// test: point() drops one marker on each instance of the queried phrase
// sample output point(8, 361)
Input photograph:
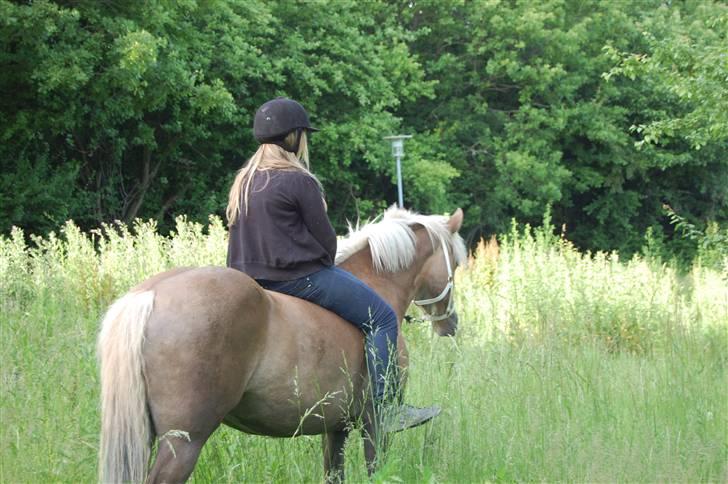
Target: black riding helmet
point(275, 119)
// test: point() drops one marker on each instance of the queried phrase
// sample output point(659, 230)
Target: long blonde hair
point(267, 157)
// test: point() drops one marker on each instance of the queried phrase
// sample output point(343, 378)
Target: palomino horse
point(189, 349)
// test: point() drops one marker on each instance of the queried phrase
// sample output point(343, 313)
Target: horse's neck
point(398, 289)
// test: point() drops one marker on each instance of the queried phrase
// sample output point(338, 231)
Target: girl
point(281, 236)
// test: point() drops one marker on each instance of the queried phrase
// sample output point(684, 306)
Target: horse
point(190, 349)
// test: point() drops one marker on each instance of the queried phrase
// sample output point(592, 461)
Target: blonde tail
point(125, 424)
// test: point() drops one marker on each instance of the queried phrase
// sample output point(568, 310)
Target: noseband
point(448, 289)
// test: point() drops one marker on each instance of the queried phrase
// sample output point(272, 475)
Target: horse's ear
point(456, 221)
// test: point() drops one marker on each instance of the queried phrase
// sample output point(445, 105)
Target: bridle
point(449, 288)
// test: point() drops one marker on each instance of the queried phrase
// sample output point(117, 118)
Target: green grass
point(567, 367)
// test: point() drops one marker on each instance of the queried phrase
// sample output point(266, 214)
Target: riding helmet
point(278, 117)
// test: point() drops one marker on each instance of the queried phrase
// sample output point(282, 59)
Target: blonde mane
point(391, 240)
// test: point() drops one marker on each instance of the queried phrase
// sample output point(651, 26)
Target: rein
point(448, 289)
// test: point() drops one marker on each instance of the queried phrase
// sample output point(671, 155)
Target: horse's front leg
point(333, 444)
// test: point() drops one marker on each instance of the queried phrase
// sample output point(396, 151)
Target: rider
point(281, 236)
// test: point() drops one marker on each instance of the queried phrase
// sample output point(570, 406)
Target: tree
point(119, 110)
point(524, 113)
point(603, 111)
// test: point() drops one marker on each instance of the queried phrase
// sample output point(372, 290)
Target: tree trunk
point(140, 190)
point(167, 204)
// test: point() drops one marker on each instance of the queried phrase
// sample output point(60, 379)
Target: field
point(567, 366)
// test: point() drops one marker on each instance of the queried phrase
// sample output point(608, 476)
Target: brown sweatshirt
point(286, 233)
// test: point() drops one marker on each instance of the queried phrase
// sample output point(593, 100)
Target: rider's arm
point(312, 207)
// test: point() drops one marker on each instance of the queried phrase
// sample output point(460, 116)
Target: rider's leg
point(376, 318)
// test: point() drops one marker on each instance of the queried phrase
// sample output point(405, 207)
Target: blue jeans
point(345, 295)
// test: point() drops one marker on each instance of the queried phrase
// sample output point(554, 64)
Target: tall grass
point(567, 366)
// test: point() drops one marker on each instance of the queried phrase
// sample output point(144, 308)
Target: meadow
point(567, 366)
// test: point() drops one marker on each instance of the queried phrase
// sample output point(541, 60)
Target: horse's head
point(417, 254)
point(436, 283)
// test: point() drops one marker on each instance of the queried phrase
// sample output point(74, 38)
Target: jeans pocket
point(297, 287)
point(307, 289)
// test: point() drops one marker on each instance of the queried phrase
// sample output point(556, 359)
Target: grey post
point(398, 152)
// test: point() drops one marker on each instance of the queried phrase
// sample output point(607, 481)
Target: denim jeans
point(345, 295)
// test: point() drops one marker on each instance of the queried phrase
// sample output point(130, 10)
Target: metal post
point(398, 152)
point(399, 182)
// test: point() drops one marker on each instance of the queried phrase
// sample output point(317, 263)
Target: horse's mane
point(392, 240)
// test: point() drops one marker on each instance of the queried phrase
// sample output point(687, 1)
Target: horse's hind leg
point(183, 420)
point(199, 354)
point(188, 397)
point(176, 458)
point(334, 455)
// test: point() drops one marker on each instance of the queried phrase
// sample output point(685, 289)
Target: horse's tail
point(125, 423)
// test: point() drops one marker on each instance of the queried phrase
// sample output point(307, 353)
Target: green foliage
point(113, 111)
point(97, 267)
point(711, 242)
point(684, 61)
point(530, 110)
point(602, 110)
